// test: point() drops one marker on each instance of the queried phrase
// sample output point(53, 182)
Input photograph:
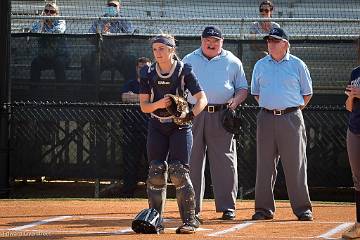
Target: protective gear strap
point(185, 195)
point(156, 185)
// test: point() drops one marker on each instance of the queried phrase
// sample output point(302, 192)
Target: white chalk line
point(34, 224)
point(335, 230)
point(326, 235)
point(117, 232)
point(237, 227)
point(232, 229)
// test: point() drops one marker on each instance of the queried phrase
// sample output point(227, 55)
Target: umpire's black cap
point(277, 33)
point(212, 31)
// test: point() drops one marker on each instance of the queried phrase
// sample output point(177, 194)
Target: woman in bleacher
point(259, 50)
point(52, 52)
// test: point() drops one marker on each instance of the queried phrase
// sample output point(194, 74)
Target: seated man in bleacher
point(52, 51)
point(111, 56)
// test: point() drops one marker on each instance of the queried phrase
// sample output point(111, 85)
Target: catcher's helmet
point(147, 221)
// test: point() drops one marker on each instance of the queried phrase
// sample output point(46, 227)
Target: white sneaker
point(353, 232)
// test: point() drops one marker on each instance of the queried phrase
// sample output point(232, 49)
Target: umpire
point(282, 86)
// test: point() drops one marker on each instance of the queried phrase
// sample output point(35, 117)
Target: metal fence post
point(4, 97)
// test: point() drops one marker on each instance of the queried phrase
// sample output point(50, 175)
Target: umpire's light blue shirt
point(282, 84)
point(220, 77)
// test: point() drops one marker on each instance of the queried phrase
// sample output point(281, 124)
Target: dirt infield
point(111, 219)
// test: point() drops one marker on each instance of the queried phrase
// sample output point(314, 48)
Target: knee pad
point(179, 174)
point(157, 177)
point(185, 195)
point(156, 185)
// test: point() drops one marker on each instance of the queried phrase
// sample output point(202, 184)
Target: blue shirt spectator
point(113, 56)
point(52, 51)
point(49, 25)
point(56, 26)
point(112, 26)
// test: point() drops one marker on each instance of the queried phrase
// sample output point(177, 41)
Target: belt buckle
point(211, 109)
point(277, 112)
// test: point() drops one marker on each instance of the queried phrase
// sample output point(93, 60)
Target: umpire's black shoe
point(306, 216)
point(228, 215)
point(261, 216)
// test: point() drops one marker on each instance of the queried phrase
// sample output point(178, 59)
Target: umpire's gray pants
point(353, 148)
point(283, 136)
point(211, 139)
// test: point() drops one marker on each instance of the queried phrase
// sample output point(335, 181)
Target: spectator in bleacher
point(134, 130)
point(259, 50)
point(282, 86)
point(112, 9)
point(52, 51)
point(112, 55)
point(353, 143)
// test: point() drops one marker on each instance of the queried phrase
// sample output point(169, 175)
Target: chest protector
point(160, 85)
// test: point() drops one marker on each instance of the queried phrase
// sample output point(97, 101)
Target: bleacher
point(214, 11)
point(321, 33)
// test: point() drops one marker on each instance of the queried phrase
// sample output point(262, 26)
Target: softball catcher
point(163, 86)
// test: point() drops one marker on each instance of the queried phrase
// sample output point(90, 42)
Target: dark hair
point(268, 3)
point(142, 60)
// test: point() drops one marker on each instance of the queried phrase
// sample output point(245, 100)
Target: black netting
point(76, 140)
point(89, 140)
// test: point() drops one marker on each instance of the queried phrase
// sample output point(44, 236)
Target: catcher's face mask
point(147, 221)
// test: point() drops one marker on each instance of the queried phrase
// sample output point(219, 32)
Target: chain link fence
point(76, 140)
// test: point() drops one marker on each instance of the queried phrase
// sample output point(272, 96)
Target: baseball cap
point(212, 31)
point(117, 2)
point(53, 5)
point(277, 33)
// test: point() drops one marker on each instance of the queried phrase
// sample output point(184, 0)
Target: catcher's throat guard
point(148, 221)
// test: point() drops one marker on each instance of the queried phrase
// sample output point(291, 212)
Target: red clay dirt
point(111, 219)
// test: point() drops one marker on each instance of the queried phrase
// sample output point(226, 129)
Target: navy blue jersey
point(131, 86)
point(151, 81)
point(354, 117)
point(161, 86)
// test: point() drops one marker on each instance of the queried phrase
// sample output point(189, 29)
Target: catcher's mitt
point(147, 221)
point(231, 121)
point(179, 108)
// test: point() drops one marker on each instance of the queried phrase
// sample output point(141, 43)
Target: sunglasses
point(50, 11)
point(112, 5)
point(265, 10)
point(274, 40)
